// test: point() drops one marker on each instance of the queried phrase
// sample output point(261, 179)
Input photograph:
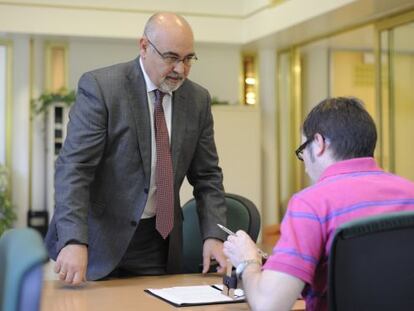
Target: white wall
point(88, 54)
point(38, 164)
point(315, 71)
point(237, 134)
point(214, 21)
point(20, 127)
point(117, 19)
point(267, 85)
point(217, 69)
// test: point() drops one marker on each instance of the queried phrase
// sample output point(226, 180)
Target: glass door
point(289, 116)
point(342, 64)
point(396, 84)
point(5, 103)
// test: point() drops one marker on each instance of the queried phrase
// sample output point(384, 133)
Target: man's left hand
point(213, 249)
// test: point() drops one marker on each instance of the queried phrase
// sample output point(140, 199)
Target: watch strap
point(244, 264)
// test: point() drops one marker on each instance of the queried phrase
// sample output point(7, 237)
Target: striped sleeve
point(301, 244)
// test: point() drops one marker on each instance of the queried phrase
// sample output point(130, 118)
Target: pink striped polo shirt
point(347, 190)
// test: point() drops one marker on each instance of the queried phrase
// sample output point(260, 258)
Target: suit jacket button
point(146, 190)
point(133, 223)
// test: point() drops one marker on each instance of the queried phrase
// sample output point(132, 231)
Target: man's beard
point(167, 87)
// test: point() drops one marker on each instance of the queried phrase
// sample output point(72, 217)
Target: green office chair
point(22, 255)
point(371, 264)
point(241, 214)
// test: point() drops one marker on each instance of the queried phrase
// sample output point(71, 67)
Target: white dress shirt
point(149, 210)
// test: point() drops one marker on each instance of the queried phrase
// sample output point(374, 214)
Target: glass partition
point(339, 65)
point(5, 103)
point(289, 115)
point(397, 96)
point(3, 75)
point(374, 63)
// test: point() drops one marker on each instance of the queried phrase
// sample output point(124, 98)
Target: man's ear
point(143, 45)
point(319, 144)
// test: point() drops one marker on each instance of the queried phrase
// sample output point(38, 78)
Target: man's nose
point(179, 67)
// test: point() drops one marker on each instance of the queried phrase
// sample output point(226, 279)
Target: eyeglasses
point(299, 151)
point(171, 59)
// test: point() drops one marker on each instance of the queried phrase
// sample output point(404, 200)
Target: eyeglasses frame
point(301, 148)
point(187, 60)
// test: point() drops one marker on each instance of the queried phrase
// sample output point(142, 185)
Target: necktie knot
point(159, 95)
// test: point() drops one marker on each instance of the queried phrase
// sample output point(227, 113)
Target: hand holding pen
point(228, 231)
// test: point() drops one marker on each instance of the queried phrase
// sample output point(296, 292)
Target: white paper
point(238, 292)
point(199, 294)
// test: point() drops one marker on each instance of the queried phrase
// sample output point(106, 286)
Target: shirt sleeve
point(301, 244)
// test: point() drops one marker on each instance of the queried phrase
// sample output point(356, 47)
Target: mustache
point(175, 75)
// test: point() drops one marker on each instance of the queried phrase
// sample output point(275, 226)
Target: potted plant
point(216, 101)
point(38, 219)
point(48, 99)
point(7, 215)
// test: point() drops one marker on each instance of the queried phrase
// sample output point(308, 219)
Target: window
point(3, 102)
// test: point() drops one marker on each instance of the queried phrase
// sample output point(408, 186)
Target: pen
point(228, 231)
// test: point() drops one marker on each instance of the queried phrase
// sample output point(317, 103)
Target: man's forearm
point(270, 290)
point(252, 285)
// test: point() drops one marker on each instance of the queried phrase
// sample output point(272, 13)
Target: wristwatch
point(243, 265)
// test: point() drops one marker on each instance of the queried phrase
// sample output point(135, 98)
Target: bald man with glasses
point(136, 130)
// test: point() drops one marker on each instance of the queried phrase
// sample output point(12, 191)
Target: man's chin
point(170, 87)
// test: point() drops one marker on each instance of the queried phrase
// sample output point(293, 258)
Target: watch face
point(241, 266)
point(239, 269)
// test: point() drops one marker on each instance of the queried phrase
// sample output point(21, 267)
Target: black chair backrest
point(241, 214)
point(371, 264)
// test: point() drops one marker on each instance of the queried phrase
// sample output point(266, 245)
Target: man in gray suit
point(105, 185)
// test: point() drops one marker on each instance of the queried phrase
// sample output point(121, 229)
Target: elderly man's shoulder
point(116, 69)
point(191, 87)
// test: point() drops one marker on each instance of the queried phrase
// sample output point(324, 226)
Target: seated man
point(339, 138)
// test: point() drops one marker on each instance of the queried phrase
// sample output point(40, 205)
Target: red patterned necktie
point(164, 194)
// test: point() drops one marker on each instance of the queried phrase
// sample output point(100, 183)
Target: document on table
point(181, 296)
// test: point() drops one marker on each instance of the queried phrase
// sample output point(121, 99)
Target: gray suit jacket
point(103, 170)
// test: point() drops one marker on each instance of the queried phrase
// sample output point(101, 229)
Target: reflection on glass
point(402, 114)
point(341, 65)
point(3, 75)
point(384, 126)
point(285, 144)
point(249, 79)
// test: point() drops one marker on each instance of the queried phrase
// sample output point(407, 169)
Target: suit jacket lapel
point(179, 113)
point(138, 103)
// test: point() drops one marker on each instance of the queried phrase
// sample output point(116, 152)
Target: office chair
point(241, 214)
point(22, 255)
point(371, 264)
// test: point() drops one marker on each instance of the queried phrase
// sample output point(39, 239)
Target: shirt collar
point(351, 166)
point(149, 84)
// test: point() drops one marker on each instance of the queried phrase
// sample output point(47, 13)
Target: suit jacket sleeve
point(207, 179)
point(78, 160)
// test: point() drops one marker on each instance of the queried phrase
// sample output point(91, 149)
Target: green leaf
point(48, 99)
point(7, 214)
